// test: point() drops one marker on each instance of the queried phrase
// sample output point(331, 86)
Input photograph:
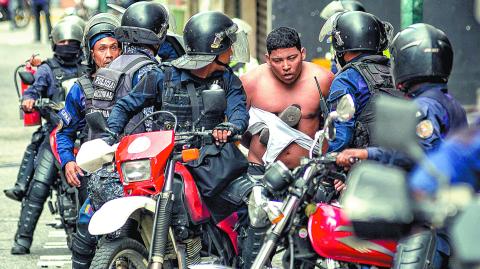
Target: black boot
point(25, 174)
point(19, 250)
point(26, 226)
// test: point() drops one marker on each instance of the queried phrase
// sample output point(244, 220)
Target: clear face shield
point(329, 30)
point(330, 9)
point(240, 48)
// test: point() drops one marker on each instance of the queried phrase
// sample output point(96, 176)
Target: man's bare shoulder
point(323, 75)
point(317, 70)
point(254, 76)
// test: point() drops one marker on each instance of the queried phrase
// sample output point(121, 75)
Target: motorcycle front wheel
point(124, 253)
point(22, 14)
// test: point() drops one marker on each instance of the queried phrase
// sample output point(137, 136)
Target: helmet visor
point(192, 62)
point(329, 27)
point(240, 48)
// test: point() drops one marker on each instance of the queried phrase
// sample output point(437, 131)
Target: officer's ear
point(303, 51)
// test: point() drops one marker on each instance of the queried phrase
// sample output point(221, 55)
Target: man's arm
point(73, 120)
point(344, 130)
point(236, 111)
point(144, 94)
point(431, 112)
point(40, 84)
point(248, 86)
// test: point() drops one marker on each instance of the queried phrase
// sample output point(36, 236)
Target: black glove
point(227, 126)
point(222, 130)
point(110, 140)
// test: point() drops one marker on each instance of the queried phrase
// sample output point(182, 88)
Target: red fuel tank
point(331, 235)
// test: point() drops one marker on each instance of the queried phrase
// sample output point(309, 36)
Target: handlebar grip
point(235, 138)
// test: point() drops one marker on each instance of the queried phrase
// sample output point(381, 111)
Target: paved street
point(49, 247)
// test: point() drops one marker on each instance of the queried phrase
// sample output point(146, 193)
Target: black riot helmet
point(340, 6)
point(420, 53)
point(100, 25)
point(143, 23)
point(209, 34)
point(356, 31)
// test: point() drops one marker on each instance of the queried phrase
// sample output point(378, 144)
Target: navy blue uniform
point(149, 93)
point(457, 158)
point(443, 120)
point(73, 115)
point(350, 82)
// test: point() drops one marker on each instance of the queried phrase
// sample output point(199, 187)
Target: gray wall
point(455, 17)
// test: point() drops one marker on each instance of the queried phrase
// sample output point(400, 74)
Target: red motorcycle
point(309, 223)
point(169, 224)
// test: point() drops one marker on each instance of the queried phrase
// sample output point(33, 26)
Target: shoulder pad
point(86, 86)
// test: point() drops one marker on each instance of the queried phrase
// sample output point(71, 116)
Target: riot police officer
point(100, 48)
point(209, 38)
point(52, 79)
point(143, 30)
point(422, 59)
point(421, 70)
point(358, 39)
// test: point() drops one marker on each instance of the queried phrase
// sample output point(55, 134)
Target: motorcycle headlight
point(277, 177)
point(136, 171)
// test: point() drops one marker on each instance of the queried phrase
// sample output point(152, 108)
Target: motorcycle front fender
point(113, 214)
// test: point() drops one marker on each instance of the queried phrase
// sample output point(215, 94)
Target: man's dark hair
point(282, 38)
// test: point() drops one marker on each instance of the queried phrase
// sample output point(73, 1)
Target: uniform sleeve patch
point(66, 117)
point(424, 129)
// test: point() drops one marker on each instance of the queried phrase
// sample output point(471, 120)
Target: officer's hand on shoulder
point(27, 105)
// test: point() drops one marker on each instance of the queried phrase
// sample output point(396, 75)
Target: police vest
point(112, 83)
point(375, 70)
point(456, 114)
point(185, 101)
point(63, 80)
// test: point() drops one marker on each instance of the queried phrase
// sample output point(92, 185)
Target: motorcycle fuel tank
point(331, 235)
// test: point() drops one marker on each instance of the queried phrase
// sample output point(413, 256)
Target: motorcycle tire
point(121, 253)
point(22, 15)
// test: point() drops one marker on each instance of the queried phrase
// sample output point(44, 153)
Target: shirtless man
point(284, 80)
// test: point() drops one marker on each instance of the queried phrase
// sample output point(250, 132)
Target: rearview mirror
point(96, 121)
point(396, 124)
point(26, 77)
point(465, 236)
point(369, 205)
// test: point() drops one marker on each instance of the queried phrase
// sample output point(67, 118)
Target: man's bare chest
point(275, 101)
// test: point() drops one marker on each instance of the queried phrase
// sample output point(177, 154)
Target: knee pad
point(38, 192)
point(38, 137)
point(45, 169)
point(416, 251)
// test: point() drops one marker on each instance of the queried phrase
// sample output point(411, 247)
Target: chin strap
point(223, 64)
